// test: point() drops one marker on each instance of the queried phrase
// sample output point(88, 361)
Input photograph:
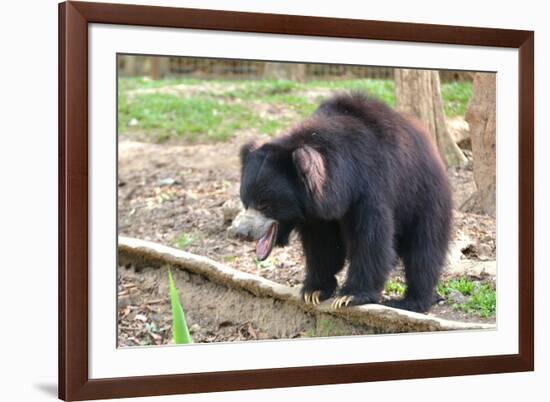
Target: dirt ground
point(145, 317)
point(214, 312)
point(174, 194)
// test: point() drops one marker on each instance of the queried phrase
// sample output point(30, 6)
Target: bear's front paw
point(312, 297)
point(342, 301)
point(315, 297)
point(347, 300)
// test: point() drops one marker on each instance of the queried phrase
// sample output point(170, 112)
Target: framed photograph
point(261, 200)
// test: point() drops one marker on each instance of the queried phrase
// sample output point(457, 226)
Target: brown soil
point(214, 312)
point(145, 317)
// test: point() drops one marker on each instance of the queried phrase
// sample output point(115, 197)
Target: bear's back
point(358, 105)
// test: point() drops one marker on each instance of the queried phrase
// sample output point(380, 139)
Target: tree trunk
point(160, 66)
point(481, 117)
point(418, 93)
point(285, 71)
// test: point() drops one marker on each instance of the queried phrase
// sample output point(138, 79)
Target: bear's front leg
point(369, 232)
point(325, 255)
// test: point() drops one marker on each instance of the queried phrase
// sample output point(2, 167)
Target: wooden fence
point(165, 67)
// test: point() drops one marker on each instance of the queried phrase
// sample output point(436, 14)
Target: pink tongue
point(263, 246)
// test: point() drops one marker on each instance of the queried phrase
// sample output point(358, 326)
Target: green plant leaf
point(179, 325)
point(185, 240)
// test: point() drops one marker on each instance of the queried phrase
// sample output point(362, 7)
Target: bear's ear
point(311, 168)
point(247, 148)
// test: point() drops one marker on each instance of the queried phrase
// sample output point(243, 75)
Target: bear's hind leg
point(325, 256)
point(423, 256)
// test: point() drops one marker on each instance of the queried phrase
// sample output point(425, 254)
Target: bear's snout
point(250, 224)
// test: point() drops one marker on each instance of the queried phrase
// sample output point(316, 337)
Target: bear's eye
point(262, 206)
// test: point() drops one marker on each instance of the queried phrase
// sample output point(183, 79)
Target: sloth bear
point(358, 181)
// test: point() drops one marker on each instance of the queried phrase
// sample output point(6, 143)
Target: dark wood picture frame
point(74, 18)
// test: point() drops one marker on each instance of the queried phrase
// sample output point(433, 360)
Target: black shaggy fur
point(357, 180)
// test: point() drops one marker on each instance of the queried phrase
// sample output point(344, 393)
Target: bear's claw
point(341, 301)
point(312, 298)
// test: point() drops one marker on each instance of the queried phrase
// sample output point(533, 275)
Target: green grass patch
point(326, 327)
point(383, 90)
point(229, 258)
point(395, 287)
point(184, 240)
point(272, 127)
point(483, 302)
point(480, 297)
point(192, 118)
point(462, 285)
point(216, 117)
point(254, 90)
point(455, 97)
point(267, 263)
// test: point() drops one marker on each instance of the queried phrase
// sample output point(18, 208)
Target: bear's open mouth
point(266, 242)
